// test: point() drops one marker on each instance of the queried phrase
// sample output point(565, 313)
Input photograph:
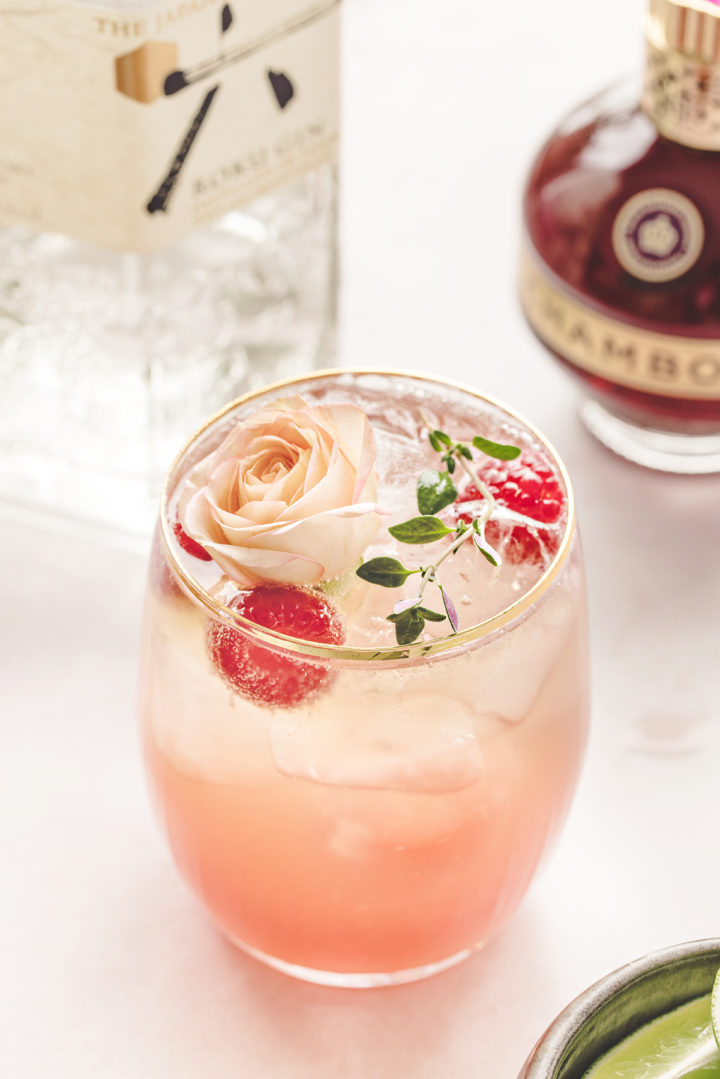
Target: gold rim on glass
point(419, 649)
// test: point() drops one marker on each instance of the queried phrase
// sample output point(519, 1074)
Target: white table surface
point(107, 968)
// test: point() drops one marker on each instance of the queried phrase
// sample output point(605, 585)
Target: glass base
point(349, 980)
point(664, 451)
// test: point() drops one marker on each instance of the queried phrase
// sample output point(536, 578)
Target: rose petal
point(357, 443)
point(249, 567)
point(279, 499)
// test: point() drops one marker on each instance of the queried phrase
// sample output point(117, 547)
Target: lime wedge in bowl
point(656, 1009)
point(677, 1045)
point(715, 1008)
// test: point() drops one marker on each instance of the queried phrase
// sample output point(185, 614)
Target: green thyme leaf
point(384, 571)
point(430, 616)
point(408, 625)
point(399, 616)
point(435, 490)
point(496, 449)
point(438, 439)
point(419, 530)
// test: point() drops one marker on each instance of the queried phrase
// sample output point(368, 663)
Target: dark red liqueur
point(605, 153)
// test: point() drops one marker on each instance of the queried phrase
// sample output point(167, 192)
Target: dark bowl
point(619, 1004)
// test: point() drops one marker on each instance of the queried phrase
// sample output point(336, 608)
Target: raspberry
point(161, 576)
point(521, 543)
point(527, 486)
point(262, 674)
point(189, 545)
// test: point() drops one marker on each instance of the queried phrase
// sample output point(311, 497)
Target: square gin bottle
point(168, 233)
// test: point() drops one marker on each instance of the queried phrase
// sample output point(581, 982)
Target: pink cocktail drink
point(349, 804)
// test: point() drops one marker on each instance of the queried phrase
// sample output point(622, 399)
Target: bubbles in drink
point(526, 526)
point(305, 817)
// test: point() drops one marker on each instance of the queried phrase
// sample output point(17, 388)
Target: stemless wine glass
point(381, 821)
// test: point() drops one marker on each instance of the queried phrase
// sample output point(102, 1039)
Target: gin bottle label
point(131, 128)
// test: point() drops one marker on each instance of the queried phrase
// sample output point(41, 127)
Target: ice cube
point(198, 723)
point(418, 743)
point(507, 674)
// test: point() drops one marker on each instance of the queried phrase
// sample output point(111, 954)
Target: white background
point(107, 968)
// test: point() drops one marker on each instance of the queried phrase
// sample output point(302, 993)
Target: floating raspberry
point(527, 486)
point(522, 543)
point(262, 674)
point(188, 544)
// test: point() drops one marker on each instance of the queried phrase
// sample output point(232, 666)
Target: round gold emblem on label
point(658, 235)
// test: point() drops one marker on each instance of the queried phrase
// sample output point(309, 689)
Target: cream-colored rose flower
point(289, 495)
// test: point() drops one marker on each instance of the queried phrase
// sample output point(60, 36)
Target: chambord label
point(132, 127)
point(658, 235)
point(659, 363)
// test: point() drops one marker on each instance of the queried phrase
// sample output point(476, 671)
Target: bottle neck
point(681, 95)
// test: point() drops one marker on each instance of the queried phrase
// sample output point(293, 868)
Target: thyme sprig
point(436, 490)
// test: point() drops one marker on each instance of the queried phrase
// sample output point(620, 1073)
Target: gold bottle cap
point(681, 94)
point(689, 27)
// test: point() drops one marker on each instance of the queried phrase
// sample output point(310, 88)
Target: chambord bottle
point(167, 231)
point(621, 269)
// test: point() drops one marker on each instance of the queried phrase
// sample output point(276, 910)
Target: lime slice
point(715, 1008)
point(677, 1045)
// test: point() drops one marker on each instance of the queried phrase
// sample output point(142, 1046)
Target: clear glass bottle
point(133, 304)
point(620, 275)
